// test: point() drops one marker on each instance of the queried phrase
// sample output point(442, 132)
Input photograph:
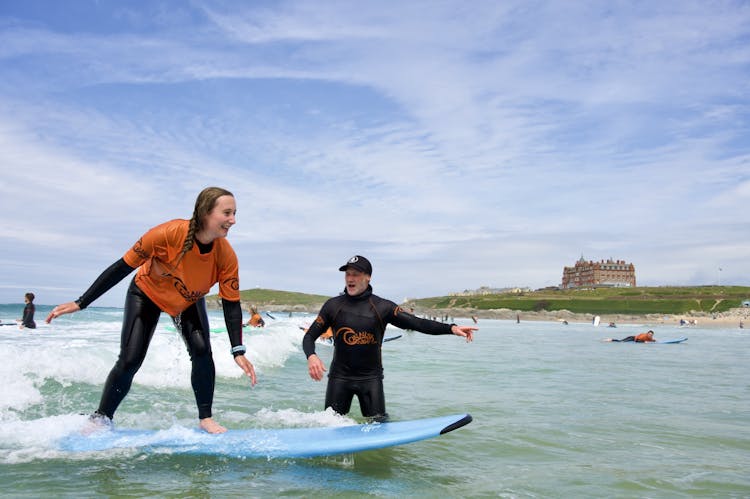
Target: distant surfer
point(255, 319)
point(28, 312)
point(358, 319)
point(326, 337)
point(178, 262)
point(647, 337)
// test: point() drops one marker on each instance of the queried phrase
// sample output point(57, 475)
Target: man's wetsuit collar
point(362, 296)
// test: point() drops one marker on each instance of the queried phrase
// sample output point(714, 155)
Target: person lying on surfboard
point(358, 319)
point(178, 262)
point(647, 337)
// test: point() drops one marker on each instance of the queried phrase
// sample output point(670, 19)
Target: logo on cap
point(358, 262)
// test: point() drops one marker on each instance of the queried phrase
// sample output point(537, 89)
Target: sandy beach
point(730, 319)
point(724, 320)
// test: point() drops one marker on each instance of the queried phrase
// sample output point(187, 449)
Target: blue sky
point(455, 144)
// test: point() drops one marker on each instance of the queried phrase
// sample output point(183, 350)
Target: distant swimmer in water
point(647, 337)
point(28, 312)
point(178, 262)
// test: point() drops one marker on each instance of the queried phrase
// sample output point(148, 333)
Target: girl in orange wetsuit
point(178, 262)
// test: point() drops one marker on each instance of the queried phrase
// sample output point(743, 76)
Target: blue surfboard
point(281, 443)
point(673, 340)
point(657, 342)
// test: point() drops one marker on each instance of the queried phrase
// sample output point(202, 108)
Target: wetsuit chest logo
point(352, 337)
point(189, 296)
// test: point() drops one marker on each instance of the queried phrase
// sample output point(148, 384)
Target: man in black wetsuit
point(358, 319)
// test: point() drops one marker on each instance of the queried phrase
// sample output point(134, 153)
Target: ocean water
point(557, 413)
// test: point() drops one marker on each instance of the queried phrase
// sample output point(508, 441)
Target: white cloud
point(459, 144)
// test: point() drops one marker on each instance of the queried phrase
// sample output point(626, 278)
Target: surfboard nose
point(458, 424)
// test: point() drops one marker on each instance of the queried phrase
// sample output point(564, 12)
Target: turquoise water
point(557, 413)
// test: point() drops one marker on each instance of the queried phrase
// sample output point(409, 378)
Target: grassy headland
point(272, 299)
point(672, 300)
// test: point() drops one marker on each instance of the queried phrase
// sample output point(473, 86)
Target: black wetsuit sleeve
point(405, 320)
point(106, 281)
point(318, 327)
point(233, 320)
point(308, 341)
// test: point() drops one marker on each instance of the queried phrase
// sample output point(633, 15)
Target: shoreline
point(723, 320)
point(730, 319)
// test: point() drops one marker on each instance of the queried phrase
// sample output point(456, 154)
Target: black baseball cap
point(358, 262)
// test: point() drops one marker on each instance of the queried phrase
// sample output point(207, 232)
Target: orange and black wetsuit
point(358, 324)
point(639, 338)
point(256, 320)
point(176, 285)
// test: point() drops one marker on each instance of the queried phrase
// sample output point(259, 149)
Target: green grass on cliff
point(260, 297)
point(636, 301)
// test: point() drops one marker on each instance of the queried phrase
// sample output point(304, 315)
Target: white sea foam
point(23, 441)
point(84, 350)
point(297, 419)
point(19, 388)
point(65, 353)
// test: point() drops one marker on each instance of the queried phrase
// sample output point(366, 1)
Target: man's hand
point(315, 367)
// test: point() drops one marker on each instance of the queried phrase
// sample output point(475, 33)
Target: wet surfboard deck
point(268, 443)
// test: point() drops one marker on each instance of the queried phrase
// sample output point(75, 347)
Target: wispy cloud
point(458, 144)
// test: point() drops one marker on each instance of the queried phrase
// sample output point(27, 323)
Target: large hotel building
point(610, 273)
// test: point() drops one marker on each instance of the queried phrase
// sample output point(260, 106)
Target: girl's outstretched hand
point(65, 308)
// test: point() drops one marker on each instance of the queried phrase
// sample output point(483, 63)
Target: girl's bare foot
point(96, 423)
point(210, 426)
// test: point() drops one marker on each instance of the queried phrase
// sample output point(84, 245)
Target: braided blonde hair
point(203, 205)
